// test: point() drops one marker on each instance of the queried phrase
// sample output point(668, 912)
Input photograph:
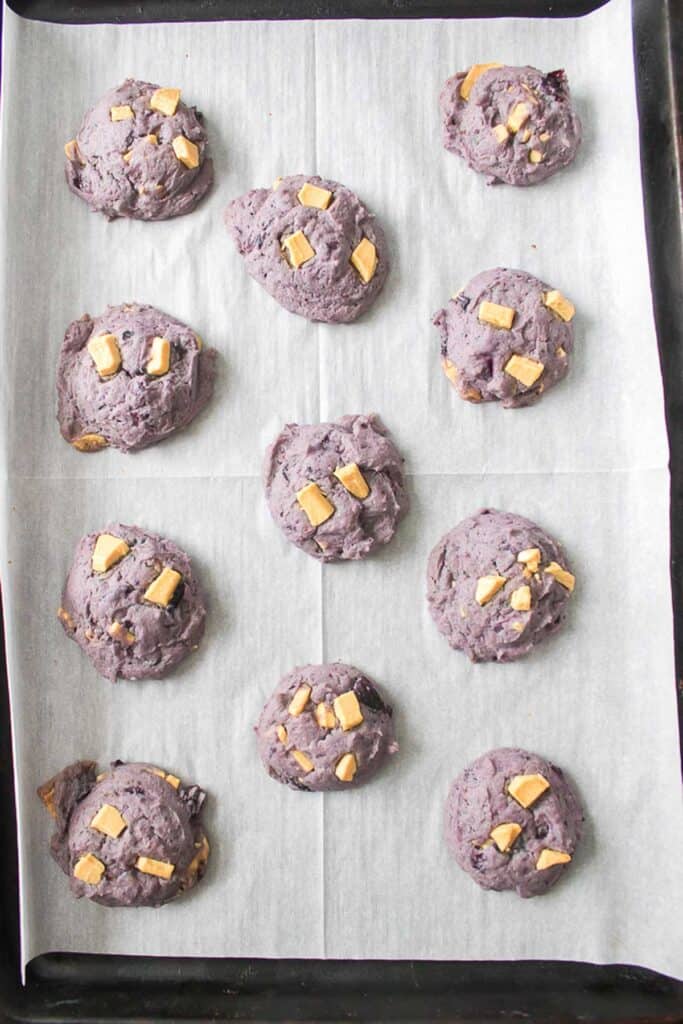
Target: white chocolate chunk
point(165, 101)
point(89, 869)
point(525, 370)
point(109, 821)
point(89, 442)
point(160, 357)
point(488, 587)
point(563, 576)
point(161, 590)
point(108, 551)
point(495, 315)
point(559, 304)
point(299, 701)
point(158, 868)
point(520, 599)
point(549, 858)
point(347, 709)
point(324, 716)
point(472, 75)
point(535, 156)
point(450, 369)
point(119, 632)
point(105, 354)
point(299, 249)
point(526, 789)
point(313, 195)
point(353, 480)
point(364, 259)
point(314, 503)
point(531, 558)
point(346, 768)
point(504, 835)
point(303, 760)
point(518, 117)
point(500, 133)
point(281, 733)
point(186, 151)
point(122, 113)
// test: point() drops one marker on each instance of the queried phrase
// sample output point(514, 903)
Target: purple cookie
point(325, 727)
point(336, 490)
point(515, 125)
point(497, 585)
point(141, 153)
point(312, 245)
point(513, 822)
point(129, 837)
point(505, 336)
point(131, 601)
point(129, 378)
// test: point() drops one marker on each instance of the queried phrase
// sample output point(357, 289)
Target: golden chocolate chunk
point(89, 869)
point(471, 394)
point(120, 633)
point(109, 821)
point(501, 133)
point(531, 558)
point(450, 369)
point(160, 357)
point(563, 576)
point(518, 627)
point(346, 768)
point(157, 771)
point(559, 304)
point(518, 117)
point(299, 249)
point(472, 75)
point(525, 135)
point(299, 701)
point(161, 590)
point(505, 835)
point(526, 789)
point(353, 480)
point(128, 156)
point(200, 858)
point(324, 716)
point(71, 151)
point(172, 780)
point(303, 760)
point(89, 442)
point(560, 352)
point(313, 195)
point(165, 101)
point(520, 599)
point(122, 113)
point(525, 370)
point(105, 353)
point(315, 504)
point(186, 151)
point(549, 858)
point(108, 551)
point(488, 587)
point(495, 315)
point(364, 259)
point(544, 136)
point(347, 709)
point(535, 156)
point(281, 733)
point(158, 868)
point(63, 616)
point(152, 139)
point(200, 343)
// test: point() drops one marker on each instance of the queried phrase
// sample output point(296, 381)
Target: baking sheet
point(363, 874)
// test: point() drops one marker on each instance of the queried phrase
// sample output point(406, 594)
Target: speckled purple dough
point(326, 287)
point(467, 125)
point(153, 184)
point(93, 601)
point(478, 802)
point(487, 544)
point(131, 409)
point(304, 454)
point(370, 742)
point(162, 822)
point(474, 354)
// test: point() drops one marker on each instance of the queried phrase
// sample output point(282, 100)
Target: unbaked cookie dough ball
point(140, 152)
point(513, 822)
point(131, 836)
point(506, 337)
point(498, 585)
point(313, 246)
point(514, 125)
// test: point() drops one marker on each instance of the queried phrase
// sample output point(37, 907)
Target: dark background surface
point(80, 988)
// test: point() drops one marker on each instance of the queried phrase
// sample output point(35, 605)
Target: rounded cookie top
point(325, 727)
point(513, 822)
point(336, 490)
point(497, 585)
point(129, 378)
point(506, 336)
point(313, 246)
point(514, 125)
point(132, 602)
point(140, 152)
point(129, 837)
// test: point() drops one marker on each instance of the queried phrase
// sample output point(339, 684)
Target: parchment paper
point(359, 874)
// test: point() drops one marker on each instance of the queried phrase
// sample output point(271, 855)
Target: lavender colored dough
point(370, 742)
point(474, 354)
point(326, 287)
point(131, 409)
point(303, 454)
point(487, 544)
point(478, 802)
point(93, 601)
point(153, 184)
point(162, 822)
point(553, 124)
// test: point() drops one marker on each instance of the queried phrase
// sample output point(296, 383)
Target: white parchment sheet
point(359, 874)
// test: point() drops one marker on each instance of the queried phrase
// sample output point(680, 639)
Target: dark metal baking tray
point(63, 987)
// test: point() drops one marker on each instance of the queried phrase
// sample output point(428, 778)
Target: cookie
point(313, 246)
point(506, 337)
point(336, 490)
point(131, 836)
point(325, 727)
point(514, 125)
point(132, 602)
point(140, 152)
point(129, 378)
point(513, 822)
point(497, 585)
